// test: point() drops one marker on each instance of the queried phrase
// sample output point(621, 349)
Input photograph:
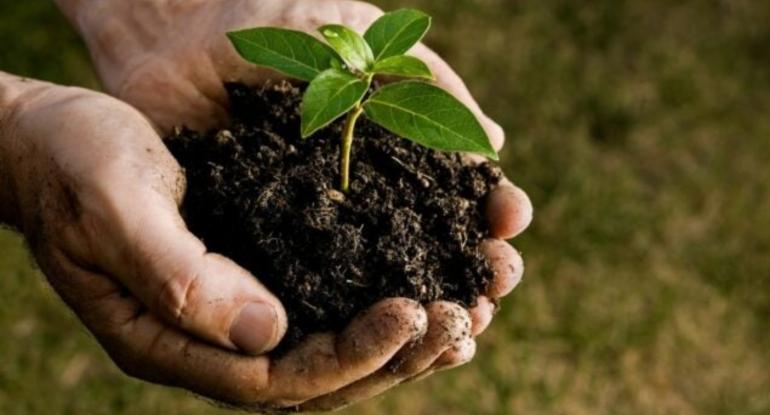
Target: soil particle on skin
point(410, 226)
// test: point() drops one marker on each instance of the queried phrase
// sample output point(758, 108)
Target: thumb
point(169, 270)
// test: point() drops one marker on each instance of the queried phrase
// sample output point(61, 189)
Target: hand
point(177, 79)
point(96, 193)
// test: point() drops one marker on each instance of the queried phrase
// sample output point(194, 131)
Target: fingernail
point(254, 330)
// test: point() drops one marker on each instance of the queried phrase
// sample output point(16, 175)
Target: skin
point(89, 182)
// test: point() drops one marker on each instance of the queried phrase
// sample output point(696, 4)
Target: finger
point(509, 211)
point(449, 80)
point(507, 265)
point(448, 328)
point(449, 324)
point(331, 362)
point(146, 347)
point(86, 292)
point(201, 292)
point(457, 355)
point(481, 315)
point(144, 243)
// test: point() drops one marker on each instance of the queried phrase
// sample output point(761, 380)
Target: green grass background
point(641, 130)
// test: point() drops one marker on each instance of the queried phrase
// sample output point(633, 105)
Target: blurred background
point(641, 130)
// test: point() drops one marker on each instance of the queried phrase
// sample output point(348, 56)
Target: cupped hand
point(97, 196)
point(170, 60)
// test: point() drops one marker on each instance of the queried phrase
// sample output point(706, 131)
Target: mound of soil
point(410, 226)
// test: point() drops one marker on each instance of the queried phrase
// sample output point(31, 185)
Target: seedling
point(340, 74)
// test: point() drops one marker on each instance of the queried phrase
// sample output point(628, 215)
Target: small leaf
point(349, 44)
point(293, 53)
point(403, 65)
point(330, 95)
point(396, 32)
point(429, 116)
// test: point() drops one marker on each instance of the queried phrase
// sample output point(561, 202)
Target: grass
point(640, 130)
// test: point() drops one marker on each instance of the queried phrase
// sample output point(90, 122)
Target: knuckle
point(177, 296)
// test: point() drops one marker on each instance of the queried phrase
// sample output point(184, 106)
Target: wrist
point(11, 87)
point(16, 95)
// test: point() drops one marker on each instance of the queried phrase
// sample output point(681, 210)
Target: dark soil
point(410, 225)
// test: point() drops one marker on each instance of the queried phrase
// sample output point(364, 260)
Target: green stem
point(347, 144)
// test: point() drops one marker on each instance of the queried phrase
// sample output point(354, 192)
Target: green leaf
point(396, 32)
point(330, 95)
point(429, 116)
point(338, 65)
point(293, 53)
point(403, 65)
point(349, 44)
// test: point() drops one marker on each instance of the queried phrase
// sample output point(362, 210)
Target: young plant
point(340, 75)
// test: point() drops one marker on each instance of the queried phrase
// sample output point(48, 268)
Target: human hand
point(96, 193)
point(171, 60)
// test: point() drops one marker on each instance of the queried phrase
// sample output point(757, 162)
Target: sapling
point(340, 76)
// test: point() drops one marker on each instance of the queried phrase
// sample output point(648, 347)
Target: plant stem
point(347, 145)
